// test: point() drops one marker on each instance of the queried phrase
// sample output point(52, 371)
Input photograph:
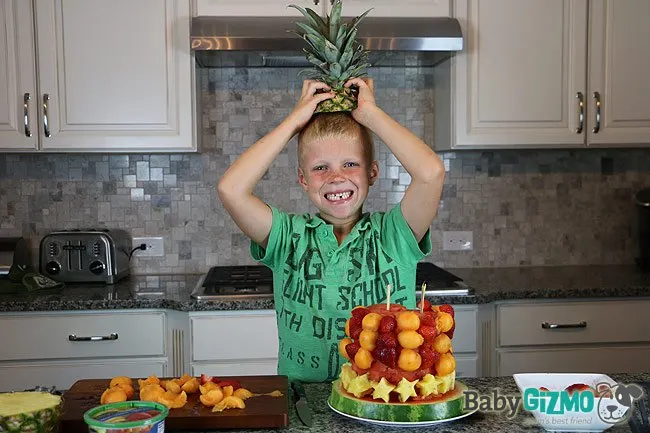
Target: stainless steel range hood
point(266, 41)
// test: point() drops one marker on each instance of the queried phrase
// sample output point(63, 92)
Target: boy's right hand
point(307, 103)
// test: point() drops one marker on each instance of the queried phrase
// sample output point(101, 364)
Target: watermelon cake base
point(445, 407)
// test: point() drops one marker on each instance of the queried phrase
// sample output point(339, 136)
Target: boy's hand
point(365, 99)
point(309, 100)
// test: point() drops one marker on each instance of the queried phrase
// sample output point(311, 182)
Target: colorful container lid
point(125, 414)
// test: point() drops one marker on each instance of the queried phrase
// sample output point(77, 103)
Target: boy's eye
point(351, 164)
point(320, 167)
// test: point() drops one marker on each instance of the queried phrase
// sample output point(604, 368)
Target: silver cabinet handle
point(26, 98)
point(46, 126)
point(598, 104)
point(581, 112)
point(73, 337)
point(546, 325)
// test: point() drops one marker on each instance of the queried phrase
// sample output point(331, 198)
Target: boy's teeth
point(338, 196)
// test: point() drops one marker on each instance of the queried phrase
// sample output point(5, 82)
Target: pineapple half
point(29, 412)
point(336, 55)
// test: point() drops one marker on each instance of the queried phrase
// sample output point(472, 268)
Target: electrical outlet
point(155, 246)
point(457, 241)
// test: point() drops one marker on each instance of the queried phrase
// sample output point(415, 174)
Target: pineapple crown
point(331, 46)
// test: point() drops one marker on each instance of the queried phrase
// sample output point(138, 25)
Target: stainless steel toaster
point(86, 256)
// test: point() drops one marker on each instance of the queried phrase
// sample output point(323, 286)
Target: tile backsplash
point(524, 207)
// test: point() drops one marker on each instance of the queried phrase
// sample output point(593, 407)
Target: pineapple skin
point(40, 421)
point(344, 100)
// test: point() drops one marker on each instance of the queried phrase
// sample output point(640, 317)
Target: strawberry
point(235, 385)
point(360, 312)
point(387, 324)
point(428, 332)
point(427, 305)
point(355, 327)
point(387, 356)
point(205, 379)
point(386, 340)
point(352, 349)
point(428, 318)
point(429, 357)
point(447, 309)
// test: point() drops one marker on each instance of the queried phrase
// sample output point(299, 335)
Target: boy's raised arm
point(236, 186)
point(420, 202)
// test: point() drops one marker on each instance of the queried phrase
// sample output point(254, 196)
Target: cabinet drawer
point(574, 360)
point(465, 332)
point(47, 336)
point(63, 374)
point(237, 368)
point(236, 336)
point(589, 322)
point(466, 366)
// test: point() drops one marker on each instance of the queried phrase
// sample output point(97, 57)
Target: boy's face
point(336, 176)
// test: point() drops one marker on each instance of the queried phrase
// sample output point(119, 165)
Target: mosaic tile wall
point(524, 207)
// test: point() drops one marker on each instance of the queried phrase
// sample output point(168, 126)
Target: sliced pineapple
point(29, 411)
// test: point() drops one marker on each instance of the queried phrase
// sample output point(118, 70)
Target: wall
point(524, 207)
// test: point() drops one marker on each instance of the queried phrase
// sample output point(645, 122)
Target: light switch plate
point(457, 240)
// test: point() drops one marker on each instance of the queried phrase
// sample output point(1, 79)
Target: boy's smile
point(336, 176)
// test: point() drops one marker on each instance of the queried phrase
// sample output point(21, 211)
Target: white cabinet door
point(255, 8)
point(516, 82)
point(115, 75)
point(18, 126)
point(240, 368)
point(392, 8)
point(63, 374)
point(618, 70)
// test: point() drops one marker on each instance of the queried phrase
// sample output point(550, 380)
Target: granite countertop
point(326, 420)
point(488, 284)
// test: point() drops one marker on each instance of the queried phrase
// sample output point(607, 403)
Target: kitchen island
point(326, 420)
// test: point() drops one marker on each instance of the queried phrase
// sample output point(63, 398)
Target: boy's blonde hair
point(335, 125)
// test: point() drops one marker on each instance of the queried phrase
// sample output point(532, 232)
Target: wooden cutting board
point(260, 411)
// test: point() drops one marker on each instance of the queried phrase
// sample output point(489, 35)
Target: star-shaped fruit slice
point(428, 385)
point(383, 390)
point(406, 389)
point(347, 375)
point(359, 385)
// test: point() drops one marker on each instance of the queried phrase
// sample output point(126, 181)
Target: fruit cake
point(400, 365)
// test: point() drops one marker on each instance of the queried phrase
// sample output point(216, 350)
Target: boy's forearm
point(418, 159)
point(244, 174)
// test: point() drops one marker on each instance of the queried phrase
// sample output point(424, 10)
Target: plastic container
point(127, 417)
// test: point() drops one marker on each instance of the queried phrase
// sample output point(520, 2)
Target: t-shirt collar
point(361, 225)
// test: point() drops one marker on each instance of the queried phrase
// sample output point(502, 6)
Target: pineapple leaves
point(314, 19)
point(308, 30)
point(331, 52)
point(335, 71)
point(334, 21)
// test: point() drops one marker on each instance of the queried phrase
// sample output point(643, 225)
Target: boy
point(326, 264)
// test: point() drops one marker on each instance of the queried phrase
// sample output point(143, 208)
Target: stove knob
point(97, 267)
point(52, 268)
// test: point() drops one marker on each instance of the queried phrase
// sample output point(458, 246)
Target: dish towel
point(23, 279)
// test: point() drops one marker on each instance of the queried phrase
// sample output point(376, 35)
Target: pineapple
point(335, 54)
point(29, 412)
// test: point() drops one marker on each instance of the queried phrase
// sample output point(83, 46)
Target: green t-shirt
point(317, 282)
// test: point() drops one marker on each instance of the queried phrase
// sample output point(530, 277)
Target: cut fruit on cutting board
point(260, 411)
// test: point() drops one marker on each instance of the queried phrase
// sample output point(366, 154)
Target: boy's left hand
point(365, 99)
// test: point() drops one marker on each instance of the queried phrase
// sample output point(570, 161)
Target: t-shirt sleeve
point(278, 240)
point(398, 239)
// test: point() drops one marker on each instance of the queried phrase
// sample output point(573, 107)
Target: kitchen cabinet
point(59, 348)
point(572, 336)
point(230, 343)
point(96, 76)
point(548, 74)
point(380, 8)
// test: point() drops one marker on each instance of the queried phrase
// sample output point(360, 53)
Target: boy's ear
point(373, 174)
point(301, 179)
